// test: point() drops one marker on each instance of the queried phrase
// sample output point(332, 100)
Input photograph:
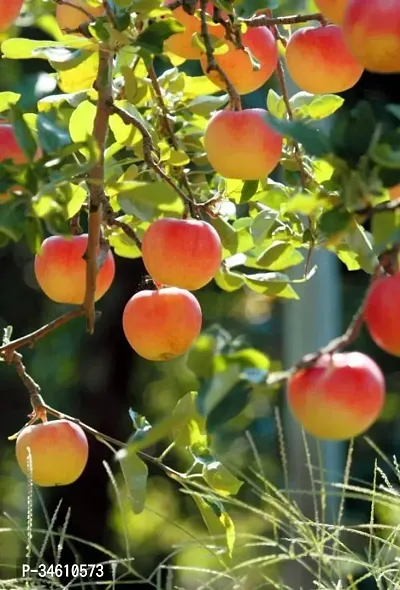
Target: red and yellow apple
point(371, 29)
point(382, 313)
point(61, 270)
point(9, 146)
point(181, 43)
point(332, 10)
point(9, 12)
point(237, 64)
point(69, 16)
point(163, 324)
point(339, 397)
point(241, 144)
point(181, 252)
point(319, 61)
point(58, 451)
point(394, 192)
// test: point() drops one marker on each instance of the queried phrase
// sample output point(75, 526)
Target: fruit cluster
point(180, 255)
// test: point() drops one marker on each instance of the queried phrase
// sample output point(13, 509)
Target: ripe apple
point(339, 397)
point(382, 313)
point(319, 61)
point(332, 10)
point(163, 324)
point(59, 452)
point(181, 43)
point(61, 270)
point(371, 30)
point(9, 146)
point(241, 144)
point(9, 12)
point(71, 17)
point(237, 64)
point(394, 192)
point(181, 252)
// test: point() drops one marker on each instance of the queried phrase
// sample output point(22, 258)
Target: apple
point(339, 397)
point(9, 146)
point(69, 16)
point(241, 144)
point(59, 452)
point(163, 324)
point(371, 29)
point(382, 313)
point(319, 61)
point(60, 270)
point(181, 44)
point(9, 12)
point(332, 10)
point(183, 253)
point(237, 64)
point(394, 192)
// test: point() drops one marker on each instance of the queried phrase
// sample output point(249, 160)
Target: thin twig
point(381, 208)
point(77, 7)
point(212, 64)
point(103, 85)
point(170, 132)
point(335, 345)
point(33, 337)
point(266, 21)
point(148, 150)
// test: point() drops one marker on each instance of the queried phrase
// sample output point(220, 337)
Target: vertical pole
point(309, 324)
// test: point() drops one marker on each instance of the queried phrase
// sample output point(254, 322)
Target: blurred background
point(98, 378)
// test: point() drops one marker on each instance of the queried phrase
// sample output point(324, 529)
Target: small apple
point(61, 270)
point(183, 253)
point(339, 397)
point(58, 449)
point(163, 324)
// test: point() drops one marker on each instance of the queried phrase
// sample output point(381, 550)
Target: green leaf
point(276, 104)
point(334, 221)
point(63, 198)
point(145, 199)
point(201, 356)
point(178, 158)
point(220, 479)
point(360, 242)
point(26, 48)
point(233, 403)
point(249, 190)
point(152, 435)
point(218, 523)
point(135, 473)
point(205, 105)
point(33, 234)
point(229, 237)
point(324, 106)
point(23, 134)
point(279, 256)
point(212, 393)
point(8, 99)
point(315, 142)
point(262, 224)
point(81, 122)
point(52, 137)
point(153, 37)
point(12, 219)
point(306, 105)
point(61, 58)
point(191, 431)
point(228, 280)
point(272, 284)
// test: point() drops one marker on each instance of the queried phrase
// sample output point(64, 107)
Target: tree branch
point(103, 85)
point(33, 337)
point(148, 148)
point(170, 133)
point(335, 345)
point(381, 208)
point(266, 21)
point(211, 61)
